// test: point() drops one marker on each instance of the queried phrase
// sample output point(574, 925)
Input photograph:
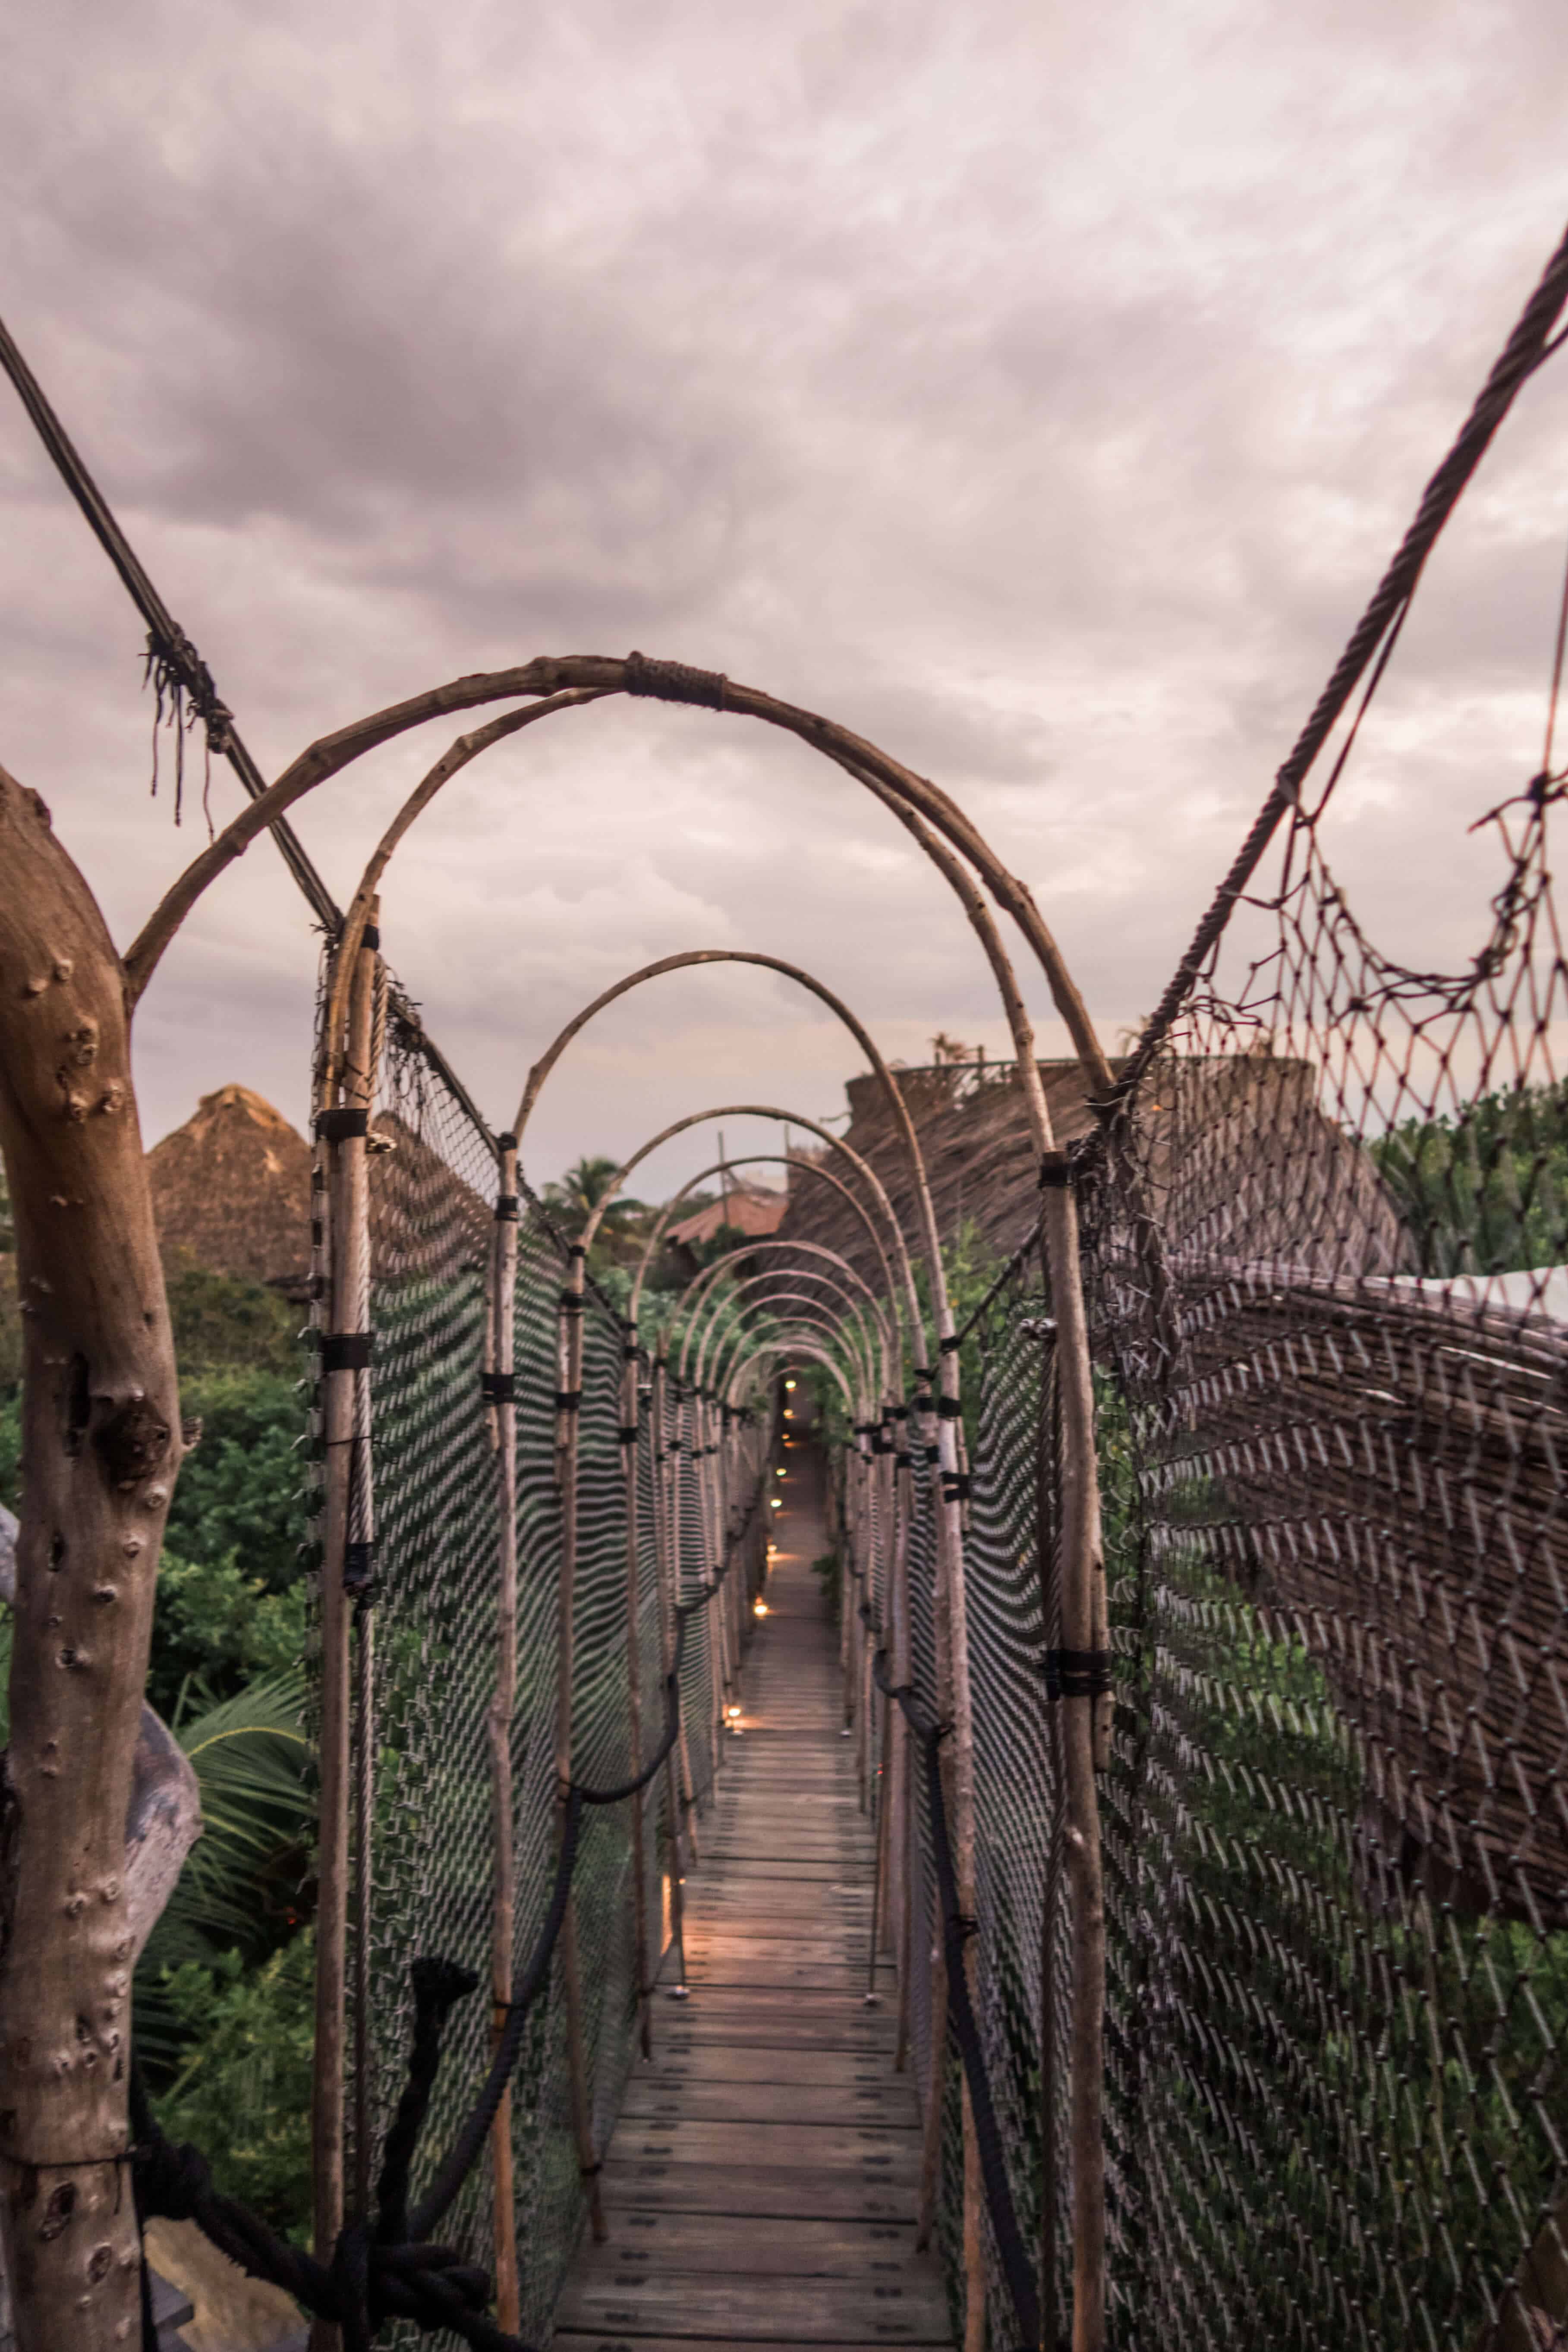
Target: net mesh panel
point(1337, 1865)
point(432, 1853)
point(1016, 1788)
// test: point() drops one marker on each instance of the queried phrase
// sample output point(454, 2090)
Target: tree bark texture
point(101, 1446)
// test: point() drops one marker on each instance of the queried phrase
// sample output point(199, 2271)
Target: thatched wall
point(1239, 1159)
point(231, 1190)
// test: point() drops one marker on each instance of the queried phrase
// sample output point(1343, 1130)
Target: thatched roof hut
point(1241, 1162)
point(231, 1190)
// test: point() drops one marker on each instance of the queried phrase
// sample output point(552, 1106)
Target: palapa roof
point(747, 1209)
point(231, 1188)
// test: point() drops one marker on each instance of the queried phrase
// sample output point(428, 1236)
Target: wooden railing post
point(499, 1383)
point(343, 1128)
point(568, 1417)
point(629, 1437)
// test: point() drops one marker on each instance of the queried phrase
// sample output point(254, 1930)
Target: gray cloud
point(1039, 394)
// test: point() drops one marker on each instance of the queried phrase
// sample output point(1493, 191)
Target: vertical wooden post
point(677, 1768)
point(901, 1814)
point(959, 1766)
point(1048, 1452)
point(345, 1350)
point(502, 1373)
point(1082, 1620)
point(568, 1416)
point(628, 1434)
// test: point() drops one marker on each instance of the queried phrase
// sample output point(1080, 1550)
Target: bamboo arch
point(755, 1159)
point(557, 683)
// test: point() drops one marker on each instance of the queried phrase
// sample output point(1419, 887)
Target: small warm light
point(732, 1712)
point(776, 1504)
point(789, 1384)
point(759, 1608)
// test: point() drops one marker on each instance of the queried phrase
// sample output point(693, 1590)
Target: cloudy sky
point(1038, 389)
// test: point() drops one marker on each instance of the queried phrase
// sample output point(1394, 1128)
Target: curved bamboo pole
point(829, 1322)
point(878, 1337)
point(862, 1168)
point(772, 1159)
point(767, 1246)
point(564, 681)
point(868, 1352)
point(576, 677)
point(856, 1345)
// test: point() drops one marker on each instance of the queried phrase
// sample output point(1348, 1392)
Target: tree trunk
point(101, 1446)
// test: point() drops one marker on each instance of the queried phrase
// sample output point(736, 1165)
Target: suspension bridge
point(1124, 1897)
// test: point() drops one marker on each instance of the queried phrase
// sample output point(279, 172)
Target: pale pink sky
point(1038, 389)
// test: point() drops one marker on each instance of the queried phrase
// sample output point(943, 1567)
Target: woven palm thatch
point(1237, 1151)
point(231, 1188)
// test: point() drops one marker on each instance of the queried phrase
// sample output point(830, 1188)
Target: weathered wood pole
point(100, 1448)
point(345, 1355)
point(500, 1379)
point(568, 1417)
point(628, 1436)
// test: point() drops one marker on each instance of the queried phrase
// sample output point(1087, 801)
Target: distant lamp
point(759, 1608)
point(789, 1384)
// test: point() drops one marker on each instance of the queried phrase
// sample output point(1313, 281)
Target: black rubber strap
point(1077, 1673)
point(670, 681)
point(1057, 1172)
point(498, 1388)
point(949, 1409)
point(371, 937)
point(628, 1433)
point(346, 1351)
point(568, 1400)
point(951, 1344)
point(506, 1208)
point(956, 1485)
point(342, 1126)
point(571, 1304)
point(359, 1570)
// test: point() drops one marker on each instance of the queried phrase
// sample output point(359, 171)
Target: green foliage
point(240, 1888)
point(243, 2095)
point(1486, 1189)
point(214, 1628)
point(828, 1574)
point(1359, 2032)
point(240, 1493)
point(11, 1451)
point(580, 1191)
point(222, 1322)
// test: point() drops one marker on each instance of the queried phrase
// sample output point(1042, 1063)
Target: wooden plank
point(859, 2147)
point(906, 2308)
point(761, 2182)
point(708, 2060)
point(763, 2244)
point(784, 2190)
point(750, 2102)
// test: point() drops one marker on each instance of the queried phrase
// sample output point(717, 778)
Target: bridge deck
point(761, 2185)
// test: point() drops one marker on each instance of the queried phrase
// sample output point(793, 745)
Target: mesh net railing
point(431, 1854)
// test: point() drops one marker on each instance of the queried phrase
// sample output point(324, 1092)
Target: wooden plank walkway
point(761, 2185)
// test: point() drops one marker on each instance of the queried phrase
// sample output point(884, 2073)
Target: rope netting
point(1313, 1722)
point(1340, 1869)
